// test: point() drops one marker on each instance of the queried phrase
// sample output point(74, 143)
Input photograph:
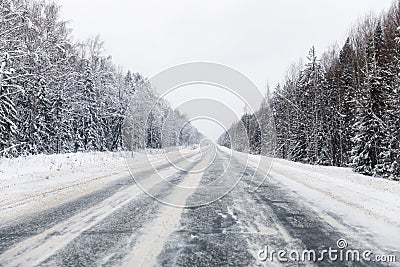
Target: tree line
point(58, 95)
point(342, 109)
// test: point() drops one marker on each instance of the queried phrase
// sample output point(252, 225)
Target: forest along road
point(195, 210)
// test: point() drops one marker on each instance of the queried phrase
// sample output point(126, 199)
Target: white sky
point(259, 38)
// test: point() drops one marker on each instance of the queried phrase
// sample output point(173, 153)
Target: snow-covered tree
point(7, 108)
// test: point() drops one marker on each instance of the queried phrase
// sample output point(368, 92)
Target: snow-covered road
point(205, 207)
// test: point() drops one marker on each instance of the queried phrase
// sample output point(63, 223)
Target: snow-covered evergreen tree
point(370, 151)
point(345, 109)
point(7, 108)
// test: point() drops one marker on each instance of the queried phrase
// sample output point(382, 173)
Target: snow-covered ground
point(341, 197)
point(29, 184)
point(344, 198)
point(33, 183)
point(299, 206)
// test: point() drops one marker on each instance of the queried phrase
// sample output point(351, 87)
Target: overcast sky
point(259, 38)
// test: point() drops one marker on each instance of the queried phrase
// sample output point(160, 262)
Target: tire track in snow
point(41, 246)
point(305, 227)
point(33, 224)
point(154, 235)
point(109, 241)
point(209, 235)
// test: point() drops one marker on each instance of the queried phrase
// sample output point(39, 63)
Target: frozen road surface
point(201, 207)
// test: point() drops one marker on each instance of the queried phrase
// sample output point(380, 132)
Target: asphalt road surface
point(194, 210)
